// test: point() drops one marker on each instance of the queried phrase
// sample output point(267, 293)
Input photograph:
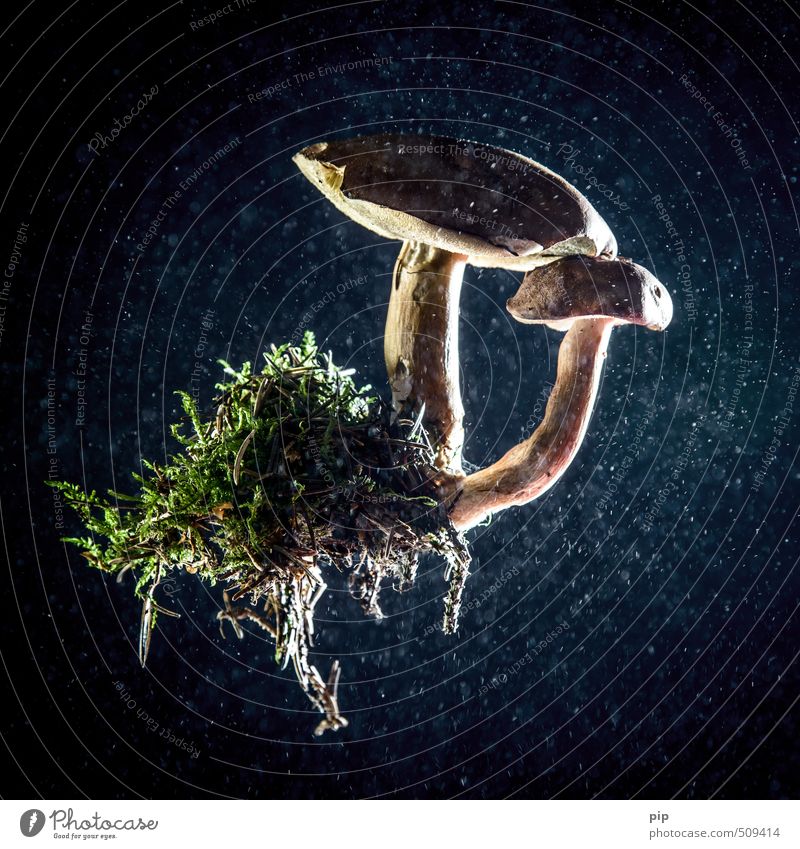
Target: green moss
point(298, 471)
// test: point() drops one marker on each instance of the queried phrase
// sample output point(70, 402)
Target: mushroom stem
point(421, 345)
point(529, 469)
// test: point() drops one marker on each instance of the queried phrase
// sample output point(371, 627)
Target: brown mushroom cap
point(500, 209)
point(589, 287)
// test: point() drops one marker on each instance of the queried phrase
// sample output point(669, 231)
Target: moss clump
point(298, 471)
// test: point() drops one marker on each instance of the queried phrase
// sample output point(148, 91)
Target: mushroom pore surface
point(496, 206)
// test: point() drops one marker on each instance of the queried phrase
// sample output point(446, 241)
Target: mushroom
point(587, 297)
point(451, 202)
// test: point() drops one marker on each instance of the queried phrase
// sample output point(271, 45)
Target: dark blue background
point(677, 675)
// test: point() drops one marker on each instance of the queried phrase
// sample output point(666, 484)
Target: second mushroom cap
point(588, 287)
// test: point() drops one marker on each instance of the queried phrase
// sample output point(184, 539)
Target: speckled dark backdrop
point(672, 670)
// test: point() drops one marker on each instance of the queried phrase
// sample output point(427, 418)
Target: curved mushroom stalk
point(587, 297)
point(529, 469)
point(421, 345)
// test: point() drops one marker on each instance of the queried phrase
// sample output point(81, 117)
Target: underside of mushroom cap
point(591, 287)
point(499, 208)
